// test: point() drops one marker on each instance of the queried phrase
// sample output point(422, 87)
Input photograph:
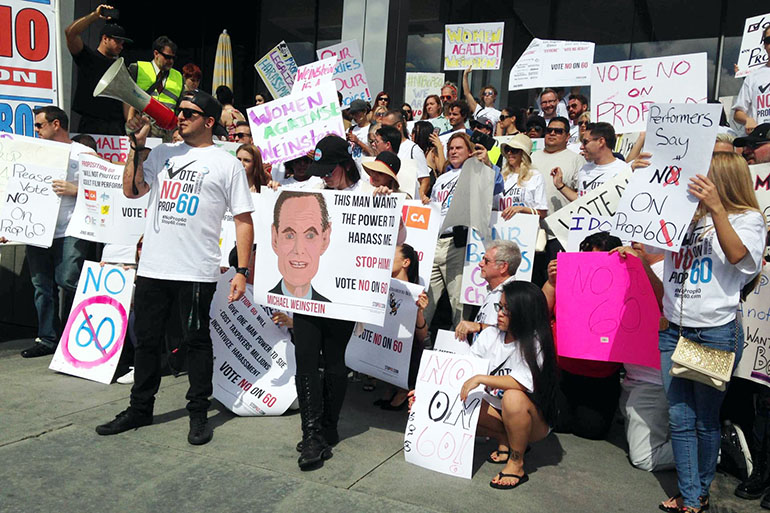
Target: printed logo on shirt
point(592, 184)
point(512, 197)
point(180, 192)
point(444, 194)
point(416, 217)
point(693, 264)
point(763, 102)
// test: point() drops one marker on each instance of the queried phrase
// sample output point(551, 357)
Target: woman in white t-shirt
point(520, 390)
point(720, 258)
point(524, 189)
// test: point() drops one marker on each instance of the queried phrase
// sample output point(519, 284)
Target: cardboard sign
point(422, 223)
point(584, 225)
point(755, 314)
point(349, 74)
point(551, 63)
point(521, 229)
point(277, 70)
point(112, 148)
point(656, 208)
point(473, 44)
point(314, 74)
point(254, 363)
point(102, 212)
point(622, 92)
point(447, 343)
point(602, 201)
point(752, 54)
point(28, 53)
point(440, 431)
point(326, 253)
point(92, 340)
point(606, 309)
point(289, 127)
point(384, 352)
point(28, 205)
point(419, 86)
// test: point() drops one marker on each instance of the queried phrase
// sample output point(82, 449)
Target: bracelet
point(562, 186)
point(421, 327)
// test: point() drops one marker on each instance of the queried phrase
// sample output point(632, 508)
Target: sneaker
point(200, 431)
point(127, 378)
point(37, 350)
point(125, 420)
point(735, 455)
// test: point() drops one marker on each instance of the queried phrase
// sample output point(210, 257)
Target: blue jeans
point(51, 269)
point(693, 410)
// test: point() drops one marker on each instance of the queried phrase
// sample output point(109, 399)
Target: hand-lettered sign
point(622, 92)
point(441, 427)
point(755, 314)
point(752, 54)
point(656, 207)
point(93, 338)
point(254, 364)
point(606, 309)
point(349, 74)
point(112, 148)
point(551, 63)
point(419, 86)
point(277, 70)
point(584, 225)
point(422, 223)
point(760, 177)
point(473, 44)
point(314, 74)
point(521, 229)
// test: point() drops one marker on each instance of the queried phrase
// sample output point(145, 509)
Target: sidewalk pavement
point(52, 460)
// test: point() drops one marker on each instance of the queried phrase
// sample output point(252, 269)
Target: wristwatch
point(242, 270)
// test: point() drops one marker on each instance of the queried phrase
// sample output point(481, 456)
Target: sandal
point(507, 453)
point(521, 480)
point(704, 504)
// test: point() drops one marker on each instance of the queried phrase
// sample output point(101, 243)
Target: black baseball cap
point(386, 162)
point(115, 31)
point(330, 151)
point(758, 135)
point(210, 107)
point(482, 122)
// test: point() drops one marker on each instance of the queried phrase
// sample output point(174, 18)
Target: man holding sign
point(752, 106)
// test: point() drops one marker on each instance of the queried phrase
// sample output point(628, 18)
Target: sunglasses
point(583, 123)
point(40, 125)
point(766, 40)
point(384, 99)
point(240, 135)
point(509, 150)
point(752, 145)
point(188, 113)
point(446, 97)
point(554, 130)
point(503, 117)
point(488, 93)
point(167, 56)
point(586, 141)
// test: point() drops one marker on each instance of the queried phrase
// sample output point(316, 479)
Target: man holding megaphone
point(190, 184)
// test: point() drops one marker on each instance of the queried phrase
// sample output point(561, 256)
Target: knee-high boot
point(314, 448)
point(335, 387)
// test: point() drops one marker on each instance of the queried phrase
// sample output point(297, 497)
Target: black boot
point(759, 481)
point(335, 388)
point(314, 448)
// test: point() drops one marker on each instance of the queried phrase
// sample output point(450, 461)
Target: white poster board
point(473, 44)
point(752, 54)
point(277, 70)
point(623, 91)
point(418, 87)
point(521, 229)
point(112, 148)
point(422, 223)
point(447, 343)
point(755, 314)
point(349, 73)
point(384, 352)
point(441, 428)
point(582, 226)
point(760, 178)
point(314, 74)
point(656, 208)
point(254, 364)
point(551, 63)
point(93, 338)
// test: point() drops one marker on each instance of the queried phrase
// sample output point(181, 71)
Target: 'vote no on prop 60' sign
point(92, 340)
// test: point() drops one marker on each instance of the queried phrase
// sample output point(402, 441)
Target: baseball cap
point(329, 152)
point(210, 107)
point(758, 135)
point(386, 162)
point(482, 122)
point(358, 106)
point(115, 31)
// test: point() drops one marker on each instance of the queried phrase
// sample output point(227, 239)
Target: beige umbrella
point(223, 63)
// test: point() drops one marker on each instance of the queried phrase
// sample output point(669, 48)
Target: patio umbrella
point(223, 63)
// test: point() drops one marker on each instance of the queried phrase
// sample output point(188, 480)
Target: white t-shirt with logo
point(67, 203)
point(190, 190)
point(570, 164)
point(592, 176)
point(504, 360)
point(490, 113)
point(409, 150)
point(314, 182)
point(362, 132)
point(754, 96)
point(531, 194)
point(712, 285)
point(443, 190)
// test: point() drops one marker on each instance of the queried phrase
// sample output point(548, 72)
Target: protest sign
point(254, 363)
point(441, 427)
point(582, 226)
point(471, 202)
point(602, 201)
point(623, 91)
point(419, 86)
point(606, 309)
point(314, 74)
point(384, 352)
point(473, 44)
point(289, 127)
point(226, 239)
point(112, 148)
point(102, 212)
point(755, 314)
point(752, 54)
point(28, 205)
point(422, 223)
point(760, 177)
point(93, 337)
point(354, 233)
point(550, 63)
point(229, 146)
point(447, 343)
point(625, 143)
point(656, 208)
point(521, 229)
point(349, 74)
point(277, 70)
point(28, 76)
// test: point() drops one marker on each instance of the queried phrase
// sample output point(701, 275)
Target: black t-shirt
point(91, 66)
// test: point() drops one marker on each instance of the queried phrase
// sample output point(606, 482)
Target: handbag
point(542, 236)
point(696, 362)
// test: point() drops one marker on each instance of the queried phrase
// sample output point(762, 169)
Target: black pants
point(185, 304)
point(314, 336)
point(587, 405)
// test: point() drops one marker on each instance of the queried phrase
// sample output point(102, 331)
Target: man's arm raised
point(73, 31)
point(134, 185)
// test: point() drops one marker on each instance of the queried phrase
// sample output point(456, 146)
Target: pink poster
point(606, 309)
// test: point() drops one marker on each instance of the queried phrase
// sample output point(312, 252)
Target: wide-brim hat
point(386, 162)
point(521, 142)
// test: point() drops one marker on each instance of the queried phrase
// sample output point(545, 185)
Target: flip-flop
point(521, 480)
point(499, 453)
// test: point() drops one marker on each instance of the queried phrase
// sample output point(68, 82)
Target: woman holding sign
point(524, 189)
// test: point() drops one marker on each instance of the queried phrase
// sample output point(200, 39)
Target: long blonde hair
point(731, 176)
point(525, 169)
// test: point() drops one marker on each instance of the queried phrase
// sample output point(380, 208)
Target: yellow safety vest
point(172, 89)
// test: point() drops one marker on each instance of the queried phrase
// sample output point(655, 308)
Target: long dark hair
point(413, 271)
point(530, 323)
point(422, 131)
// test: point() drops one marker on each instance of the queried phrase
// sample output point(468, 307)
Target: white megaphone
point(116, 83)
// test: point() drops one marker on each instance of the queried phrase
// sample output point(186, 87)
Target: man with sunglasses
point(243, 133)
point(576, 106)
point(97, 115)
point(556, 155)
point(756, 147)
point(752, 106)
point(448, 96)
point(159, 80)
point(190, 185)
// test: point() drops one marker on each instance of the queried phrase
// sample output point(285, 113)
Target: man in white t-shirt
point(409, 150)
point(358, 134)
point(556, 155)
point(191, 184)
point(752, 106)
point(598, 142)
point(59, 266)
